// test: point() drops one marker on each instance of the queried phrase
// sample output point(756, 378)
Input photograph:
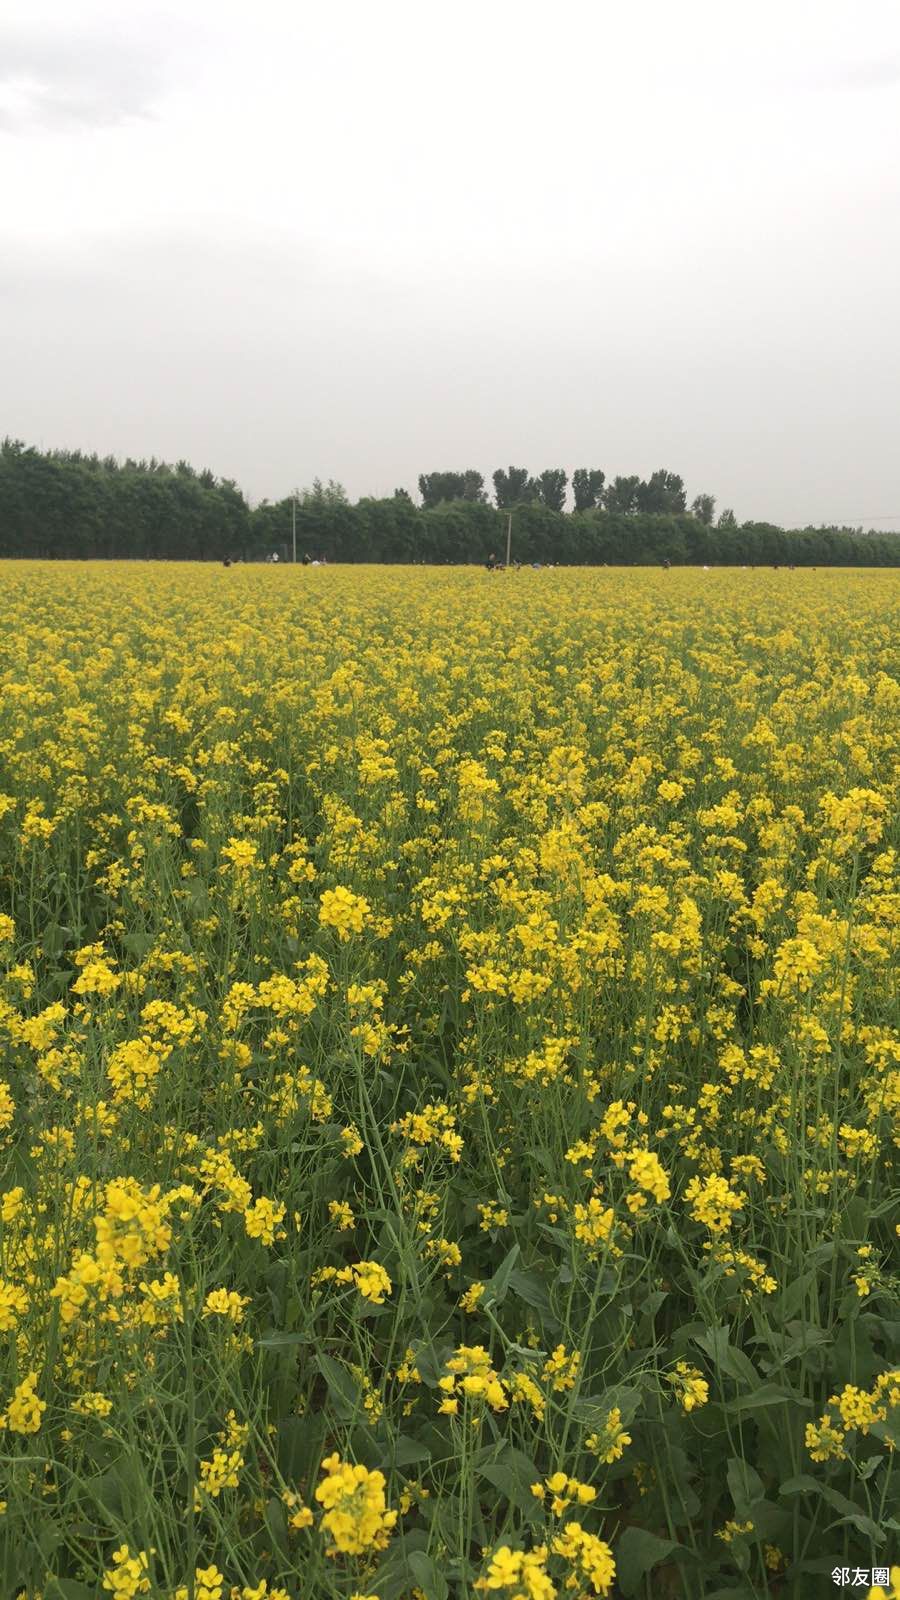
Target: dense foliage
point(64, 504)
point(450, 1086)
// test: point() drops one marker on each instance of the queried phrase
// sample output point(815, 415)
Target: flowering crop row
point(450, 1083)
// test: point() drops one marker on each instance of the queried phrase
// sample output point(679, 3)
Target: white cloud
point(360, 241)
point(76, 74)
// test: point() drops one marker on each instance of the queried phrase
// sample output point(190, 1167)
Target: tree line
point(62, 503)
point(65, 504)
point(660, 494)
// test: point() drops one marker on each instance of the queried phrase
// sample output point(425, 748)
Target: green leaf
point(100, 1452)
point(745, 1487)
point(276, 1522)
point(495, 1289)
point(854, 1353)
point(684, 1503)
point(849, 1512)
point(391, 1580)
point(107, 1490)
point(342, 1386)
point(504, 1479)
point(802, 1484)
point(687, 1332)
point(739, 1367)
point(593, 1411)
point(300, 1441)
point(281, 1341)
point(513, 1473)
point(852, 1513)
point(714, 1341)
point(793, 1296)
point(57, 984)
point(768, 1394)
point(48, 1537)
point(55, 938)
point(855, 1215)
point(732, 1362)
point(428, 1575)
point(409, 1450)
point(865, 1525)
point(430, 1362)
point(653, 1303)
point(637, 1553)
point(805, 1339)
point(441, 1516)
point(530, 1288)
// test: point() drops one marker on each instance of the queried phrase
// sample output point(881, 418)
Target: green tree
point(436, 487)
point(663, 491)
point(461, 531)
point(552, 488)
point(513, 487)
point(433, 487)
point(622, 495)
point(324, 494)
point(387, 530)
point(703, 507)
point(67, 503)
point(587, 487)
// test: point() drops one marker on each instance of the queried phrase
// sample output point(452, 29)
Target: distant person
point(274, 555)
point(307, 559)
point(227, 562)
point(491, 563)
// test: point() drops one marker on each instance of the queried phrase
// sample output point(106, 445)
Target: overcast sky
point(364, 240)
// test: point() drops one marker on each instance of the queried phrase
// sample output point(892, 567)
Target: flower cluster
point(355, 1514)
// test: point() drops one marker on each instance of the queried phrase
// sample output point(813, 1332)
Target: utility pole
point(508, 535)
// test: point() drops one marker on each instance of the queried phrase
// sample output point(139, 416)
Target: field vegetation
point(450, 1085)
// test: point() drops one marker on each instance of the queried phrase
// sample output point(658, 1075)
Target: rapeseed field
point(450, 1086)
